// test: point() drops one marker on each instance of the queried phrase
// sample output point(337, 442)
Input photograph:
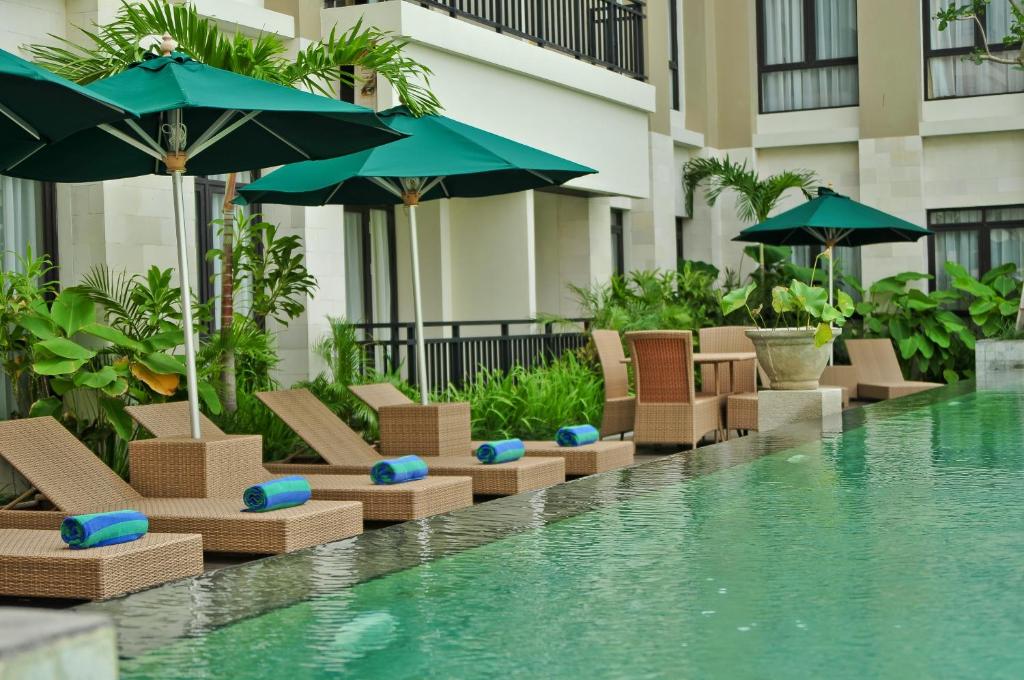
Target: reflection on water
point(892, 550)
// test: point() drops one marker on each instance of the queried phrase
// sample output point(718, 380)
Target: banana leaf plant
point(993, 300)
point(797, 305)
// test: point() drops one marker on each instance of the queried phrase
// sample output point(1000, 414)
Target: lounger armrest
point(426, 430)
point(31, 519)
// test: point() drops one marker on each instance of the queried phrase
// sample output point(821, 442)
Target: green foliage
point(647, 300)
point(797, 305)
point(974, 12)
point(22, 290)
point(111, 48)
point(993, 301)
point(755, 196)
point(255, 356)
point(533, 403)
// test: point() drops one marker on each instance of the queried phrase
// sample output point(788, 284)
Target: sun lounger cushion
point(501, 451)
point(398, 470)
point(276, 494)
point(103, 528)
point(576, 435)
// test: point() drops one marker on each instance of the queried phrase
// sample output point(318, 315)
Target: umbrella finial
point(168, 45)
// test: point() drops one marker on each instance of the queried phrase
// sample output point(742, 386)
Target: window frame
point(984, 229)
point(680, 225)
point(673, 54)
point(366, 262)
point(812, 62)
point(618, 224)
point(928, 54)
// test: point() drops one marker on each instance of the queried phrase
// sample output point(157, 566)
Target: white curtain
point(1008, 246)
point(355, 310)
point(20, 230)
point(836, 37)
point(956, 75)
point(955, 246)
point(381, 279)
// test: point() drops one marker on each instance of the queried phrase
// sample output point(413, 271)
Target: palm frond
point(755, 197)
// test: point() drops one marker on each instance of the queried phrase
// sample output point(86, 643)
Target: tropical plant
point(993, 301)
point(797, 305)
point(974, 12)
point(114, 47)
point(532, 403)
point(756, 197)
point(22, 290)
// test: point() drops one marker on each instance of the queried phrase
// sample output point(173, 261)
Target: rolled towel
point(398, 470)
point(284, 492)
point(502, 451)
point(576, 435)
point(103, 528)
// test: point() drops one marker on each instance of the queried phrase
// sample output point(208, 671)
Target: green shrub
point(252, 417)
point(532, 403)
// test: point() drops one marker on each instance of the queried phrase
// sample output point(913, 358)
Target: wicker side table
point(219, 466)
point(431, 430)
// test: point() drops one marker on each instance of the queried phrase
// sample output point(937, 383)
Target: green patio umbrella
point(199, 120)
point(38, 108)
point(832, 220)
point(442, 158)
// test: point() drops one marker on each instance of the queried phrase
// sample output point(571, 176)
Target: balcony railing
point(609, 33)
point(468, 348)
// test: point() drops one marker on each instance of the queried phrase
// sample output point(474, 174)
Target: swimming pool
point(893, 549)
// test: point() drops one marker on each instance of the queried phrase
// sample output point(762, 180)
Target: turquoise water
point(894, 550)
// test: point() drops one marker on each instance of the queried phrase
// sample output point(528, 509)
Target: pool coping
point(162, 615)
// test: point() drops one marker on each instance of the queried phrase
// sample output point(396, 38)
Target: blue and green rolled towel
point(501, 451)
point(576, 435)
point(398, 470)
point(284, 492)
point(103, 528)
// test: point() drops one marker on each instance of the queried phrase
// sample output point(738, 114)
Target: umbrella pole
point(411, 200)
point(832, 346)
point(186, 298)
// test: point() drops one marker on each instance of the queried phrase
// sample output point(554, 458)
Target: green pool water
point(894, 550)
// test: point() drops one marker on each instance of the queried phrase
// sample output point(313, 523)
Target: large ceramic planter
point(789, 358)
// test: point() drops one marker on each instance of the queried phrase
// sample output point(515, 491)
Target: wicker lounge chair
point(668, 409)
point(619, 405)
point(579, 461)
point(37, 563)
point(382, 503)
point(878, 371)
point(77, 482)
point(345, 452)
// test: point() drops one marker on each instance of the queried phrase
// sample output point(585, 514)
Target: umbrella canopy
point(201, 120)
point(38, 108)
point(832, 219)
point(228, 122)
point(442, 158)
point(460, 160)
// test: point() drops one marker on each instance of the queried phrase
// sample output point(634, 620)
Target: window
point(673, 57)
point(27, 221)
point(807, 54)
point(371, 269)
point(210, 207)
point(948, 71)
point(618, 247)
point(679, 240)
point(847, 261)
point(979, 239)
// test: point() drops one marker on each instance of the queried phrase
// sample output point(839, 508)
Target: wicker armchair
point(619, 405)
point(668, 409)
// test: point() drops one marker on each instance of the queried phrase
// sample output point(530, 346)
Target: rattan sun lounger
point(36, 563)
point(346, 452)
point(383, 503)
point(581, 460)
point(879, 375)
point(78, 482)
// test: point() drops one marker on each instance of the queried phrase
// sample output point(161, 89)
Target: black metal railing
point(464, 348)
point(608, 33)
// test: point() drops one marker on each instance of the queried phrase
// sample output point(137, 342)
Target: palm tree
point(755, 197)
point(114, 47)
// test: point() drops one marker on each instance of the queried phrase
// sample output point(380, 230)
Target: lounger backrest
point(609, 352)
point(171, 420)
point(379, 395)
point(663, 366)
point(728, 339)
point(318, 426)
point(61, 467)
point(875, 360)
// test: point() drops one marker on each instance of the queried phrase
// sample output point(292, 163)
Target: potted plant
point(794, 350)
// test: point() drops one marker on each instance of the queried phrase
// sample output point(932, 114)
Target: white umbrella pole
point(186, 305)
point(831, 347)
point(417, 295)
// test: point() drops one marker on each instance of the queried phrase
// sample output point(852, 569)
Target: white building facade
point(874, 100)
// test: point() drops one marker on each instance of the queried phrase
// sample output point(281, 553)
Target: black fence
point(608, 33)
point(468, 347)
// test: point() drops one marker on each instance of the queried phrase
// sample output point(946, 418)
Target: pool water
point(893, 550)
